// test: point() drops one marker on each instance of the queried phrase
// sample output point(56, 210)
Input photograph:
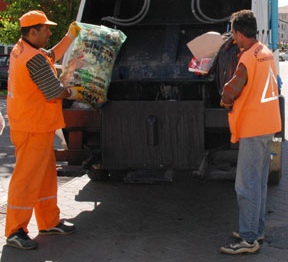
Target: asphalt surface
point(186, 220)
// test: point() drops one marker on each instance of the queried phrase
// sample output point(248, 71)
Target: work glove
point(227, 106)
point(73, 30)
point(76, 93)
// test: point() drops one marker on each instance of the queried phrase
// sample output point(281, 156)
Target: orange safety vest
point(256, 111)
point(27, 108)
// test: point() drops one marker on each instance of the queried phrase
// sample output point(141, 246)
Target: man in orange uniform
point(34, 107)
point(253, 120)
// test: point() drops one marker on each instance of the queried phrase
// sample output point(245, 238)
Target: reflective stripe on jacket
point(27, 108)
point(256, 111)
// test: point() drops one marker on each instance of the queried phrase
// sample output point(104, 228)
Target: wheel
point(281, 59)
point(118, 175)
point(97, 174)
point(3, 84)
point(274, 177)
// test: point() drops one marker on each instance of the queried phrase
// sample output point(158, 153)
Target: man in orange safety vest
point(34, 108)
point(254, 119)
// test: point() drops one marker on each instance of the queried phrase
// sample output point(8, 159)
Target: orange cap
point(34, 17)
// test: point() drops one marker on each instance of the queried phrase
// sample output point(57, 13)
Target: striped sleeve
point(44, 77)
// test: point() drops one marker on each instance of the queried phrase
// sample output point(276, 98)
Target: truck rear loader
point(160, 117)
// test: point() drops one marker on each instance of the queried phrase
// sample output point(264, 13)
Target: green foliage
point(61, 12)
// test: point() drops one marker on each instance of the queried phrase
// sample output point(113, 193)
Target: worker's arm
point(44, 77)
point(234, 87)
point(59, 49)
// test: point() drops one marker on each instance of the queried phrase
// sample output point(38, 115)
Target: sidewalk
point(69, 210)
point(180, 222)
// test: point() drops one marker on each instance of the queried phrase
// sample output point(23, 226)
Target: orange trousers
point(33, 185)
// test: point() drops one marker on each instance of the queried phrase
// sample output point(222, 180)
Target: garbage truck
point(162, 116)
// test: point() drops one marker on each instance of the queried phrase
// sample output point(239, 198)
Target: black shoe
point(60, 229)
point(21, 240)
point(241, 247)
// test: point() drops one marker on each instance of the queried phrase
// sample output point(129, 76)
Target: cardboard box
point(206, 45)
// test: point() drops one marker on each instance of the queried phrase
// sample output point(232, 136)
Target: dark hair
point(245, 22)
point(25, 30)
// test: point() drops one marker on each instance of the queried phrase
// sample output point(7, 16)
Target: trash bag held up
point(91, 62)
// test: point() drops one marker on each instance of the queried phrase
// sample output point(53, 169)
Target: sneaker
point(236, 235)
point(21, 240)
point(60, 229)
point(241, 247)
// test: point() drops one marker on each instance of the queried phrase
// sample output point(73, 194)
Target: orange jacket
point(256, 111)
point(27, 108)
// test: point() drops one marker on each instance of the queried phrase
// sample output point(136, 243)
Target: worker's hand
point(73, 30)
point(227, 106)
point(76, 93)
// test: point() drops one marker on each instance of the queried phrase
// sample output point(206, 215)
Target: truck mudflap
point(152, 135)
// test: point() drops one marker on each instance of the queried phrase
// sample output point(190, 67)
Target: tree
point(61, 12)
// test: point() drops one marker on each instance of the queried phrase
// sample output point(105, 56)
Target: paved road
point(183, 221)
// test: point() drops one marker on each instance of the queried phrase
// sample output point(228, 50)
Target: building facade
point(283, 26)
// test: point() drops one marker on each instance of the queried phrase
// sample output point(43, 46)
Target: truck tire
point(98, 174)
point(118, 175)
point(275, 172)
point(274, 177)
